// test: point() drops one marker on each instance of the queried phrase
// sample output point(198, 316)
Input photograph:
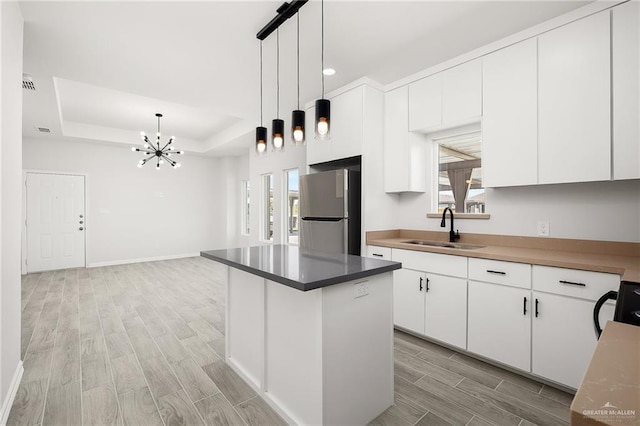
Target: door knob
point(81, 222)
point(81, 216)
point(81, 228)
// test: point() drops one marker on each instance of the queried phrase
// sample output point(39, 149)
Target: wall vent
point(43, 129)
point(27, 82)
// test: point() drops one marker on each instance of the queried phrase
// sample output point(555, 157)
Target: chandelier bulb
point(161, 161)
point(139, 165)
point(142, 134)
point(134, 149)
point(178, 164)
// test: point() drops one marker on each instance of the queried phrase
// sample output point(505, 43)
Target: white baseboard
point(11, 395)
point(145, 259)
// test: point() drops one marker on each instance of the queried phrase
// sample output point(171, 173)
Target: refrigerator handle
point(346, 236)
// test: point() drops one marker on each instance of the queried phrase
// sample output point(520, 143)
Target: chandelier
point(154, 151)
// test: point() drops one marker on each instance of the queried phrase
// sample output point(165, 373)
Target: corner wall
point(136, 214)
point(11, 39)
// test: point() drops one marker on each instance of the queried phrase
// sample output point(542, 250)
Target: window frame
point(285, 205)
point(267, 209)
point(245, 207)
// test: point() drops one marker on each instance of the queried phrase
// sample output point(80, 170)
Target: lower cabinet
point(500, 323)
point(432, 305)
point(563, 336)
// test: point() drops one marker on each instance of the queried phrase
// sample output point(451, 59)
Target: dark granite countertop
point(300, 268)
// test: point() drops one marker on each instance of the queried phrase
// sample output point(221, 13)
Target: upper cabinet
point(404, 151)
point(626, 91)
point(447, 99)
point(574, 95)
point(352, 113)
point(510, 116)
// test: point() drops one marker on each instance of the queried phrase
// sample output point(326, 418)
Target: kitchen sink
point(445, 244)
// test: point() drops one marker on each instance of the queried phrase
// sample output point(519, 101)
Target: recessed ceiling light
point(328, 71)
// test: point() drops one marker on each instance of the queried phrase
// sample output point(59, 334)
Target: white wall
point(607, 211)
point(141, 213)
point(11, 38)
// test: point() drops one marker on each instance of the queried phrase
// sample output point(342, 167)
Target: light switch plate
point(360, 289)
point(543, 228)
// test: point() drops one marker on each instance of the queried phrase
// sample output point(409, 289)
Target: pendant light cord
point(261, 119)
point(298, 53)
point(157, 136)
point(278, 73)
point(322, 43)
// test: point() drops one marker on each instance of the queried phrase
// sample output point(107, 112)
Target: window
point(459, 176)
point(267, 185)
point(245, 208)
point(292, 198)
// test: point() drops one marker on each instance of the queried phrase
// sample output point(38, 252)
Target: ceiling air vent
point(43, 130)
point(27, 82)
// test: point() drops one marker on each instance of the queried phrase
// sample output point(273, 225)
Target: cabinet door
point(425, 102)
point(563, 336)
point(500, 323)
point(408, 300)
point(346, 124)
point(462, 93)
point(446, 309)
point(575, 102)
point(626, 90)
point(510, 116)
point(318, 151)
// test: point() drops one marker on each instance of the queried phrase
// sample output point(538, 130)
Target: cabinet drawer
point(572, 282)
point(443, 264)
point(378, 252)
point(500, 272)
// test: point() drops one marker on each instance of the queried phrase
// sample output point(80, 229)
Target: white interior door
point(55, 222)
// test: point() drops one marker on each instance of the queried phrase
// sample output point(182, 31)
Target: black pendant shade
point(323, 118)
point(297, 126)
point(277, 134)
point(261, 139)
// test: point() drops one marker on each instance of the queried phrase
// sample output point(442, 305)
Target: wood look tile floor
point(143, 344)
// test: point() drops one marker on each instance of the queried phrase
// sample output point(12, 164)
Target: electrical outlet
point(543, 228)
point(360, 289)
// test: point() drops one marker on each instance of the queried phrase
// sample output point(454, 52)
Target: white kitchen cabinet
point(626, 90)
point(510, 116)
point(575, 102)
point(446, 309)
point(425, 102)
point(563, 336)
point(500, 323)
point(448, 99)
point(408, 299)
point(351, 112)
point(377, 252)
point(404, 151)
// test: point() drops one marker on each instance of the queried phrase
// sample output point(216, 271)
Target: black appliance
point(627, 305)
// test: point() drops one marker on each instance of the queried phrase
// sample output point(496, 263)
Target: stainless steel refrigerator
point(330, 211)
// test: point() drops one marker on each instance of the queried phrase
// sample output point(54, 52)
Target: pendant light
point(298, 116)
point(323, 106)
point(277, 125)
point(261, 131)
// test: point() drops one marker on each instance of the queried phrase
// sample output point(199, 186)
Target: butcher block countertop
point(600, 256)
point(610, 391)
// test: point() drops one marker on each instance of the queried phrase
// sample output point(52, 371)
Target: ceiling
point(103, 69)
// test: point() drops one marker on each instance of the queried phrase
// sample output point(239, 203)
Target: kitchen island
point(311, 332)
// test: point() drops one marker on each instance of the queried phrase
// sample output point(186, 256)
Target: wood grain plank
point(431, 419)
point(100, 406)
point(509, 403)
point(421, 344)
point(462, 369)
point(159, 377)
point(37, 365)
point(28, 404)
point(65, 367)
point(138, 408)
point(548, 405)
point(127, 374)
point(172, 348)
point(229, 383)
point(216, 410)
point(199, 350)
point(194, 380)
point(431, 370)
point(401, 413)
point(95, 370)
point(176, 409)
point(143, 344)
point(471, 403)
point(557, 395)
point(118, 345)
point(442, 407)
point(478, 421)
point(63, 405)
point(257, 412)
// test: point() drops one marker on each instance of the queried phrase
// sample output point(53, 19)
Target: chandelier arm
point(168, 159)
point(167, 144)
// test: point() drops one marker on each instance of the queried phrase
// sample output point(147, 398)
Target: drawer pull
point(377, 254)
point(420, 283)
point(537, 307)
point(496, 272)
point(427, 285)
point(524, 306)
point(572, 283)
